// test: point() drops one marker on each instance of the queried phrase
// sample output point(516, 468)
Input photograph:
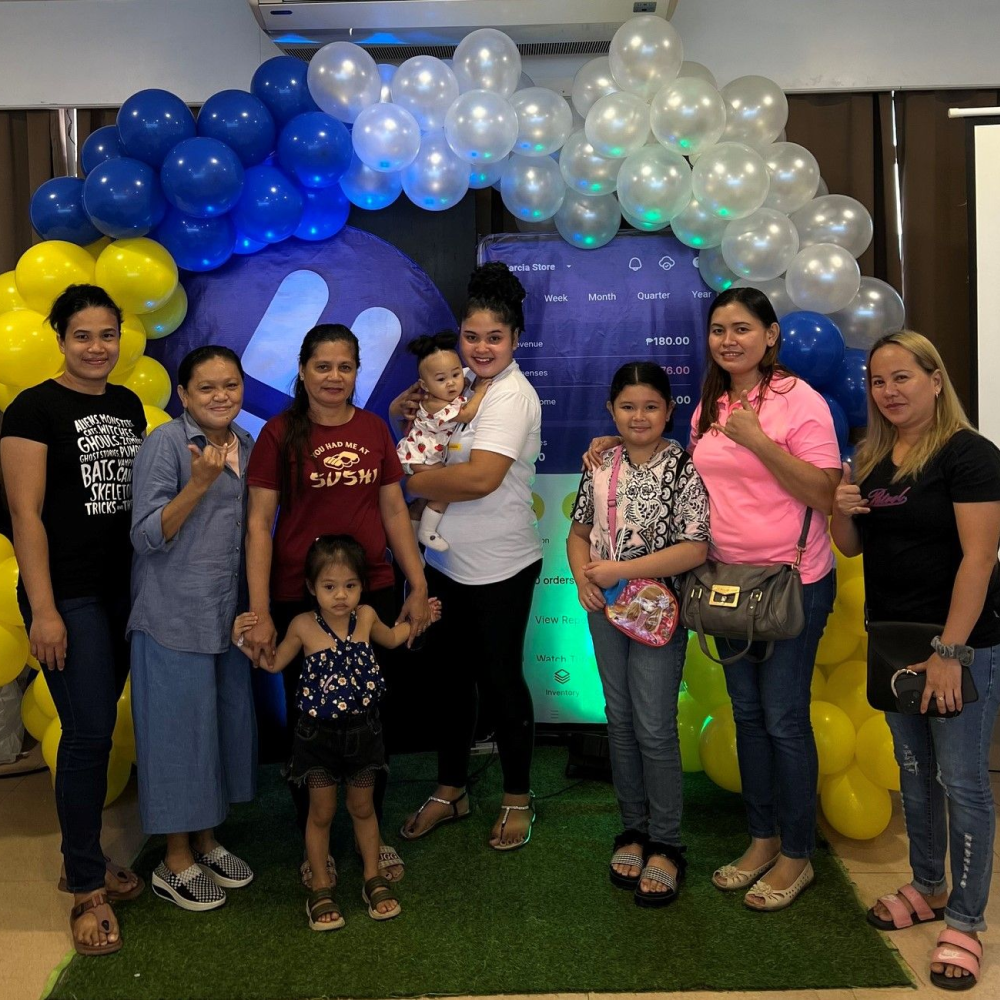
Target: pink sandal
point(902, 916)
point(961, 950)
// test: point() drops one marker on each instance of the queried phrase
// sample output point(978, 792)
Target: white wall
point(98, 52)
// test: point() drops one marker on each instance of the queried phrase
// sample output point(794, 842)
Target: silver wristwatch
point(964, 654)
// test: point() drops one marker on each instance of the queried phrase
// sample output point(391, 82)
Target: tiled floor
point(34, 930)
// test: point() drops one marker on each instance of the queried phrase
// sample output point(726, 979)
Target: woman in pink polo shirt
point(763, 443)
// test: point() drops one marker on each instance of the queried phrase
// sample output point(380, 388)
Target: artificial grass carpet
point(544, 919)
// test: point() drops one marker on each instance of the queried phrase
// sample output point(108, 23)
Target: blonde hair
point(949, 415)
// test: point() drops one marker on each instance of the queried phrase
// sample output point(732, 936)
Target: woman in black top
point(926, 515)
point(67, 450)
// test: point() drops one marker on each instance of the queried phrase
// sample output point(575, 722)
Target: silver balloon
point(645, 54)
point(544, 121)
point(822, 189)
point(427, 88)
point(532, 187)
point(548, 226)
point(823, 278)
point(487, 59)
point(714, 270)
point(643, 225)
point(687, 115)
point(386, 71)
point(775, 291)
point(524, 81)
point(699, 71)
point(654, 184)
point(761, 246)
point(835, 218)
point(584, 171)
point(484, 175)
point(794, 175)
point(386, 137)
point(730, 179)
point(593, 81)
point(877, 309)
point(588, 223)
point(481, 126)
point(756, 110)
point(343, 80)
point(696, 227)
point(617, 125)
point(437, 179)
point(370, 189)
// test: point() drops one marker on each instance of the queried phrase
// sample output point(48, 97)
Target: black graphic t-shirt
point(911, 545)
point(87, 511)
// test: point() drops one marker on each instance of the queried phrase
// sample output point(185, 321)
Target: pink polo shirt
point(753, 519)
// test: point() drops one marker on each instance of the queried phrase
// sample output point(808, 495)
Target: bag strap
point(800, 545)
point(695, 613)
point(616, 467)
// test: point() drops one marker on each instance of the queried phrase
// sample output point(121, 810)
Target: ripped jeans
point(947, 799)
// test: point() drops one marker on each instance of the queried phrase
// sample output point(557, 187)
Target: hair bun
point(496, 281)
point(429, 344)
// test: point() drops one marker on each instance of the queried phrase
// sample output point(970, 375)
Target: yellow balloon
point(33, 663)
point(848, 567)
point(705, 679)
point(163, 321)
point(96, 248)
point(150, 382)
point(836, 644)
point(847, 688)
point(124, 733)
point(849, 607)
point(139, 274)
point(29, 350)
point(47, 269)
point(34, 719)
point(854, 806)
point(130, 349)
point(119, 771)
point(50, 744)
point(8, 393)
point(43, 696)
point(690, 720)
point(6, 548)
point(874, 752)
point(155, 417)
point(817, 686)
point(834, 736)
point(14, 649)
point(717, 746)
point(10, 613)
point(10, 297)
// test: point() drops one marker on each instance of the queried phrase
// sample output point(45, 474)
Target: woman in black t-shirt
point(926, 515)
point(67, 450)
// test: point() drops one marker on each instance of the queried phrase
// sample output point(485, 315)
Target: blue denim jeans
point(774, 737)
point(86, 697)
point(945, 783)
point(641, 685)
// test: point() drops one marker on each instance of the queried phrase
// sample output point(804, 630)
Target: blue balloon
point(270, 208)
point(151, 123)
point(281, 84)
point(103, 144)
point(325, 213)
point(57, 212)
point(202, 177)
point(851, 387)
point(811, 346)
point(315, 149)
point(123, 198)
point(246, 246)
point(242, 122)
point(196, 244)
point(840, 424)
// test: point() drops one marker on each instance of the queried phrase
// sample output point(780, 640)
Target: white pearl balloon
point(532, 187)
point(437, 179)
point(687, 115)
point(699, 72)
point(593, 81)
point(584, 171)
point(794, 175)
point(714, 270)
point(427, 88)
point(386, 71)
point(370, 189)
point(481, 126)
point(588, 223)
point(835, 218)
point(775, 291)
point(697, 227)
point(756, 110)
point(386, 137)
point(617, 125)
point(730, 179)
point(487, 59)
point(875, 311)
point(643, 225)
point(645, 54)
point(343, 80)
point(761, 246)
point(823, 278)
point(484, 175)
point(654, 184)
point(544, 121)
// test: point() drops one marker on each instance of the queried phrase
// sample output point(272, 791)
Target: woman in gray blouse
point(196, 735)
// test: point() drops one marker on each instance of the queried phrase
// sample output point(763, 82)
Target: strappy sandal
point(960, 950)
point(654, 873)
point(96, 901)
point(507, 810)
point(453, 818)
point(379, 890)
point(319, 904)
point(623, 857)
point(306, 872)
point(903, 916)
point(121, 873)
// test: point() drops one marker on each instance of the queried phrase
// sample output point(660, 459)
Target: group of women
point(214, 524)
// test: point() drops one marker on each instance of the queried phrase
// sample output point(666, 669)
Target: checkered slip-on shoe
point(224, 869)
point(192, 889)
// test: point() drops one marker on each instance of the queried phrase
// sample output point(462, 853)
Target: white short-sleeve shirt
point(495, 537)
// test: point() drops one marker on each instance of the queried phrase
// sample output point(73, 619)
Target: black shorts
point(339, 749)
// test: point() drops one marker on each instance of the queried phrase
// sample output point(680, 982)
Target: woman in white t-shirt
point(487, 577)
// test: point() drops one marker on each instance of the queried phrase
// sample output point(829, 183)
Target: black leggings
point(479, 646)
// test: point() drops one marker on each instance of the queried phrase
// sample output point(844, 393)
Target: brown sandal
point(96, 901)
point(121, 873)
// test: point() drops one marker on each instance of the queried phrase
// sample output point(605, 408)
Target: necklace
point(228, 446)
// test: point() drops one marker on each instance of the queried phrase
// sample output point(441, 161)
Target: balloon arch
point(646, 138)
